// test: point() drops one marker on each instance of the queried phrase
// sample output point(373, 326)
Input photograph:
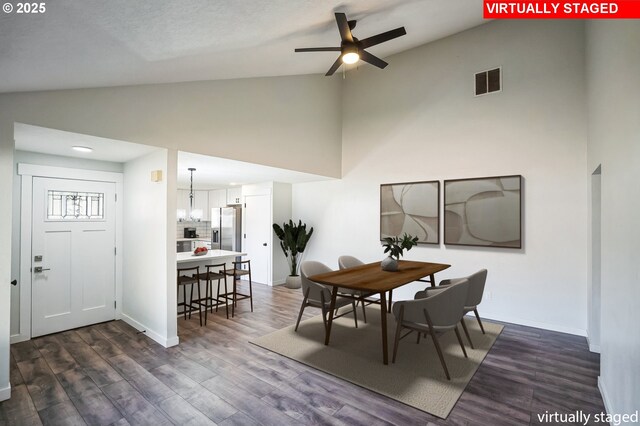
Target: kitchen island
point(189, 260)
point(213, 257)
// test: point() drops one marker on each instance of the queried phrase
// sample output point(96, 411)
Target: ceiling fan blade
point(319, 49)
point(343, 27)
point(381, 38)
point(334, 67)
point(373, 60)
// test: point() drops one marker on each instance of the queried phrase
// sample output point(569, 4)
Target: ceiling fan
point(351, 49)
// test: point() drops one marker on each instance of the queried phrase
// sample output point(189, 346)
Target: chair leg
point(207, 290)
point(304, 303)
point(466, 331)
point(217, 295)
point(233, 297)
point(475, 311)
point(464, 351)
point(418, 340)
point(191, 301)
point(210, 284)
point(226, 293)
point(355, 313)
point(184, 301)
point(200, 303)
point(325, 312)
point(250, 290)
point(396, 340)
point(437, 345)
point(364, 312)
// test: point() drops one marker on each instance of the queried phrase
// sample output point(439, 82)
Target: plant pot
point(293, 281)
point(389, 264)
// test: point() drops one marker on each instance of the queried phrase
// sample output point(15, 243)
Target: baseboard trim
point(17, 338)
point(592, 347)
point(535, 324)
point(166, 342)
point(5, 393)
point(603, 393)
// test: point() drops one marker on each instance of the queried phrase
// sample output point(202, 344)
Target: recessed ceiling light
point(82, 149)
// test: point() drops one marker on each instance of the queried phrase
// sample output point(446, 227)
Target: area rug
point(416, 378)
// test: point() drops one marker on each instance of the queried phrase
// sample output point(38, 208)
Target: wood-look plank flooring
point(109, 374)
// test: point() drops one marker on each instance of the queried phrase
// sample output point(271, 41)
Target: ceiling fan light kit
point(350, 55)
point(351, 49)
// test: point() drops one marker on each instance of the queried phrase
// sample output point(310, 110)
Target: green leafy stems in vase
point(293, 240)
point(394, 247)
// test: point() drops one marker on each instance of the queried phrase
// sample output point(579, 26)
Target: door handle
point(264, 244)
point(39, 269)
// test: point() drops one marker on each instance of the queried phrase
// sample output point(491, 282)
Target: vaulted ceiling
point(79, 44)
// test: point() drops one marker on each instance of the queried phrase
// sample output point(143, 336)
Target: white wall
point(418, 120)
point(613, 79)
point(276, 121)
point(43, 160)
point(147, 231)
point(6, 176)
point(281, 213)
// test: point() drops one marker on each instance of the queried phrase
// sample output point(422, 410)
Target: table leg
point(390, 299)
point(332, 307)
point(383, 324)
point(433, 280)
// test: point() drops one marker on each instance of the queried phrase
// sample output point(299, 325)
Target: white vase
point(293, 281)
point(389, 264)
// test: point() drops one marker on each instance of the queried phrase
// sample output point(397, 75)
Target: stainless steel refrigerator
point(226, 224)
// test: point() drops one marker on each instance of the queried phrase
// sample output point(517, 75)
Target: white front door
point(73, 254)
point(258, 230)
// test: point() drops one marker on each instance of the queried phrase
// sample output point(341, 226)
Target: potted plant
point(396, 246)
point(293, 240)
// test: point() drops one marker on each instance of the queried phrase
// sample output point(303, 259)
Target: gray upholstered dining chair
point(345, 262)
point(319, 295)
point(439, 312)
point(474, 296)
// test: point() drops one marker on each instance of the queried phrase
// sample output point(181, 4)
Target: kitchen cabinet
point(217, 199)
point(201, 201)
point(183, 200)
point(234, 195)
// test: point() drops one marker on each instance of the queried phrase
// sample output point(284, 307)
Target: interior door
point(73, 254)
point(257, 222)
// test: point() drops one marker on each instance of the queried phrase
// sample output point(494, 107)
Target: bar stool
point(236, 273)
point(209, 301)
point(184, 280)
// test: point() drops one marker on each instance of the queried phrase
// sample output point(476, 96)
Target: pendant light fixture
point(195, 215)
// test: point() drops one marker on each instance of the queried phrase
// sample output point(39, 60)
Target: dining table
point(371, 279)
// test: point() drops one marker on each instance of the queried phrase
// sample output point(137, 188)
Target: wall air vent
point(488, 81)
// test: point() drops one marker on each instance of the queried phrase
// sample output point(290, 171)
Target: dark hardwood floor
point(108, 374)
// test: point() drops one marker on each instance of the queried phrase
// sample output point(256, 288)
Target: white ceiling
point(78, 44)
point(214, 172)
point(58, 142)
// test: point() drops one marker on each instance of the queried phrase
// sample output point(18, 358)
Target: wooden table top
point(372, 278)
